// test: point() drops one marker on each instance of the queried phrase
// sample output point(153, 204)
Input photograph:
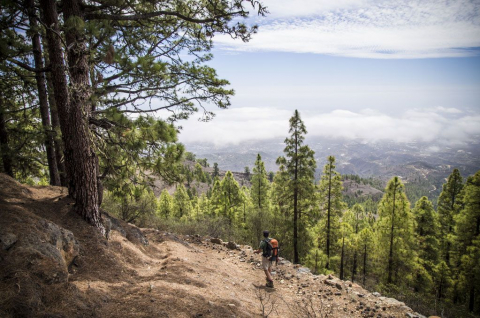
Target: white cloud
point(368, 29)
point(239, 125)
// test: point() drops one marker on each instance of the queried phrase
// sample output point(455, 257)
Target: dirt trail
point(172, 276)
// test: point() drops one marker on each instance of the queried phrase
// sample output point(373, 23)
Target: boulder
point(7, 240)
point(304, 270)
point(216, 241)
point(231, 246)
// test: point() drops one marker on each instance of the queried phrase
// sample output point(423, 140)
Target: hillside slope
point(52, 264)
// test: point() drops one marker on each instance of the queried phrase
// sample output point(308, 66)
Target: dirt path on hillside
point(172, 276)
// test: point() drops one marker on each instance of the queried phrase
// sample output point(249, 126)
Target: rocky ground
point(52, 264)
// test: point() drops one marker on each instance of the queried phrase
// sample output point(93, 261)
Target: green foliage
point(227, 198)
point(467, 241)
point(395, 239)
point(260, 185)
point(182, 207)
point(298, 169)
point(447, 210)
point(426, 232)
point(137, 206)
point(331, 208)
point(215, 170)
point(165, 205)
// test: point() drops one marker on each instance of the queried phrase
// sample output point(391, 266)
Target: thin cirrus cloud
point(440, 125)
point(368, 29)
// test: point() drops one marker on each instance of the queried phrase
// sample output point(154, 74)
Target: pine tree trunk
point(296, 258)
point(354, 268)
point(4, 147)
point(328, 217)
point(390, 256)
point(74, 111)
point(342, 258)
point(58, 143)
point(42, 94)
point(364, 265)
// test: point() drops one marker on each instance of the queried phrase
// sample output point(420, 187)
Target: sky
point(396, 70)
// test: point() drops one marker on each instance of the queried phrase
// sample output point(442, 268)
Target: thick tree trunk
point(4, 148)
point(42, 94)
point(74, 110)
point(58, 143)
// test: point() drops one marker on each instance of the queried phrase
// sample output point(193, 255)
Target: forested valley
point(82, 85)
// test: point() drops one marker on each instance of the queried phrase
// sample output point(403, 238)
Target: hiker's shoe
point(270, 284)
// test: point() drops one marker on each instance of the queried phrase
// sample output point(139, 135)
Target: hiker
point(267, 258)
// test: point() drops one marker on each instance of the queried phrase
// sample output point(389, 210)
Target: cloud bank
point(437, 125)
point(367, 29)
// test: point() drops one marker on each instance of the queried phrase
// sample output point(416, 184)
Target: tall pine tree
point(260, 184)
point(447, 210)
point(395, 232)
point(331, 206)
point(300, 167)
point(467, 234)
point(426, 232)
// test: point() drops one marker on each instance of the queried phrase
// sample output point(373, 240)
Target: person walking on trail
point(267, 258)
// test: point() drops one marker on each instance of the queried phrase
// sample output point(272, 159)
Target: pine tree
point(165, 205)
point(147, 64)
point(447, 211)
point(300, 167)
point(281, 221)
point(395, 232)
point(230, 197)
point(182, 207)
point(426, 231)
point(467, 241)
point(204, 206)
point(42, 92)
point(367, 239)
point(331, 206)
point(247, 173)
point(345, 242)
point(358, 223)
point(216, 171)
point(260, 185)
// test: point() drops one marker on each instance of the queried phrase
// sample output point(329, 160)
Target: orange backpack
point(274, 244)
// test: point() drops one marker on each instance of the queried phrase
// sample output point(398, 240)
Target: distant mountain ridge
point(424, 164)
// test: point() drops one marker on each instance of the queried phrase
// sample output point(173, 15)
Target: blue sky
point(400, 70)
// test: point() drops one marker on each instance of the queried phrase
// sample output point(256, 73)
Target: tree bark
point(42, 93)
point(364, 265)
point(342, 259)
point(58, 143)
point(4, 147)
point(73, 109)
point(84, 160)
point(390, 256)
point(329, 207)
point(296, 258)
